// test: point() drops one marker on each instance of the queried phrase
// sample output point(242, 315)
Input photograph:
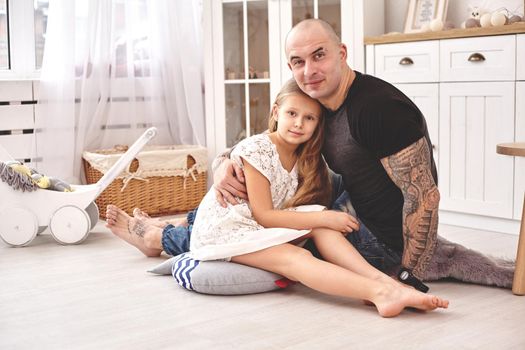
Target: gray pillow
point(219, 277)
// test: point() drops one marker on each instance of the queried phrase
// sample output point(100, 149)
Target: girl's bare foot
point(142, 215)
point(390, 301)
point(389, 281)
point(145, 238)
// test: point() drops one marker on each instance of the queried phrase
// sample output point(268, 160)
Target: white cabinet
point(519, 172)
point(520, 67)
point(477, 113)
point(474, 118)
point(468, 92)
point(238, 68)
point(245, 64)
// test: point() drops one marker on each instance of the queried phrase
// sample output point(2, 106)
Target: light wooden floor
point(97, 295)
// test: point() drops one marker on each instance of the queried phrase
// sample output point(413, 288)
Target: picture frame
point(421, 12)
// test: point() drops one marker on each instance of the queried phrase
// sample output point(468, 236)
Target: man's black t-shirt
point(376, 120)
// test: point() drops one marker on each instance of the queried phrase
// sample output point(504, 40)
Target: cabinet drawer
point(408, 62)
point(478, 59)
point(520, 64)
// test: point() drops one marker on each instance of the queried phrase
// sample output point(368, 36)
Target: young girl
point(285, 174)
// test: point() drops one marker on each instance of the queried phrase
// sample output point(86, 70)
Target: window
point(23, 26)
point(41, 7)
point(129, 39)
point(4, 36)
point(132, 45)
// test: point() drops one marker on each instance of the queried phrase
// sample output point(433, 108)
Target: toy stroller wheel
point(92, 211)
point(70, 225)
point(18, 226)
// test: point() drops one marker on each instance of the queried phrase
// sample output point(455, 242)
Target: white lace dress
point(220, 233)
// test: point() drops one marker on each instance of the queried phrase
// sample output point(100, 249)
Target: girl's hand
point(340, 221)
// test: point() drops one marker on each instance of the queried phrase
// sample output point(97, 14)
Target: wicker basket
point(156, 195)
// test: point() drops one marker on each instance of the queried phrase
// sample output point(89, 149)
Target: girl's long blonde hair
point(314, 181)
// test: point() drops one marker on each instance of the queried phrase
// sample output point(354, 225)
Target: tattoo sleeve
point(410, 170)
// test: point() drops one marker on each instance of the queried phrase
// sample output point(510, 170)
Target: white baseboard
point(485, 223)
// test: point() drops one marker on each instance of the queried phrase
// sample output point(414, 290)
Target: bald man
point(377, 140)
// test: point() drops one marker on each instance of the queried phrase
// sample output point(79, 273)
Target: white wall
point(395, 11)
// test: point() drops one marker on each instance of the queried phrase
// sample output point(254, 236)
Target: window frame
point(22, 60)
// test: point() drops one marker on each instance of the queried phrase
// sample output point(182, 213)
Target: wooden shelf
point(446, 34)
point(511, 149)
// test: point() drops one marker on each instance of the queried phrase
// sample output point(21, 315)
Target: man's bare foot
point(142, 215)
point(145, 238)
point(390, 301)
point(139, 213)
point(145, 218)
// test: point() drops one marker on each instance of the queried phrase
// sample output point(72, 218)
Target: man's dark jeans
point(176, 239)
point(375, 252)
point(369, 246)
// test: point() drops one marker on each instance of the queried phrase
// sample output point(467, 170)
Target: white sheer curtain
point(111, 69)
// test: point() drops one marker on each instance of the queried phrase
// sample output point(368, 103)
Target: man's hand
point(228, 182)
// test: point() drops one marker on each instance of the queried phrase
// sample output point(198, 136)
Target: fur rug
point(452, 260)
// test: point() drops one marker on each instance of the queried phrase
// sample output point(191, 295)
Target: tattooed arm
point(410, 170)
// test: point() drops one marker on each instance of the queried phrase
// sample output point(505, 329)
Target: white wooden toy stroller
point(69, 215)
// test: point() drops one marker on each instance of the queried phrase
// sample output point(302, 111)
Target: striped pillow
point(221, 277)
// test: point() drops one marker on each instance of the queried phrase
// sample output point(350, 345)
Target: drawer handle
point(476, 57)
point(406, 61)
